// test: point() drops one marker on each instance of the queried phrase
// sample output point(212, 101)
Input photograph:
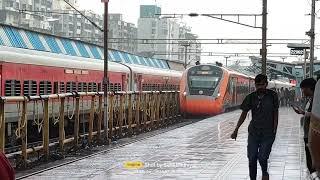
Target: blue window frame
point(147, 60)
point(95, 52)
point(83, 51)
point(134, 59)
point(15, 37)
point(165, 63)
point(116, 56)
point(68, 47)
point(160, 63)
point(126, 57)
point(35, 41)
point(155, 63)
point(53, 45)
point(110, 58)
point(142, 61)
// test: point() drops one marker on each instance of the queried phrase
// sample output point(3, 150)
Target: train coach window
point(92, 87)
point(110, 87)
point(45, 87)
point(74, 86)
point(62, 87)
point(29, 88)
point(117, 87)
point(12, 88)
point(162, 87)
point(153, 87)
point(80, 87)
point(85, 87)
point(71, 87)
point(95, 87)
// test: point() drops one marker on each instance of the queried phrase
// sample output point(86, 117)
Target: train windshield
point(203, 81)
point(204, 77)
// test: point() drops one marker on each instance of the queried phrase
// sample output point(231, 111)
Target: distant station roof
point(22, 38)
point(256, 59)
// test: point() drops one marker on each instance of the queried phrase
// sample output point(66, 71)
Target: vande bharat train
point(207, 90)
point(26, 72)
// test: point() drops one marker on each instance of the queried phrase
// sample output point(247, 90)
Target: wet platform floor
point(202, 150)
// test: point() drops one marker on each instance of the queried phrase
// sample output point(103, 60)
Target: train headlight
point(184, 93)
point(218, 95)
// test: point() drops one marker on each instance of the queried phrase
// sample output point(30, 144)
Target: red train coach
point(26, 72)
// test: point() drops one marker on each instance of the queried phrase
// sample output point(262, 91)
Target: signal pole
point(312, 38)
point(105, 77)
point(264, 38)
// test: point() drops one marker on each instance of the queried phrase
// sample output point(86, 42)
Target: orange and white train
point(207, 90)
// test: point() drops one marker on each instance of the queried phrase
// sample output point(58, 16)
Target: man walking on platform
point(264, 105)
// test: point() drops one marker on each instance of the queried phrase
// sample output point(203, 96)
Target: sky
point(286, 19)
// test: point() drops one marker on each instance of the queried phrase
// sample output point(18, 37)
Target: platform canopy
point(22, 38)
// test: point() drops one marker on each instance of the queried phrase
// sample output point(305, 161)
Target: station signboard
point(296, 52)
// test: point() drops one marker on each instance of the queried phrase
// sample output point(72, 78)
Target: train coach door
point(125, 83)
point(137, 82)
point(234, 90)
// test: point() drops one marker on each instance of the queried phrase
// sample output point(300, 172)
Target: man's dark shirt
point(262, 108)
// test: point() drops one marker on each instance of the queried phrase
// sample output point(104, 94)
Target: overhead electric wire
point(93, 23)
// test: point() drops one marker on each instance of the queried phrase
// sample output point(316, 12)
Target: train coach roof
point(25, 39)
point(232, 71)
point(160, 72)
point(223, 68)
point(25, 56)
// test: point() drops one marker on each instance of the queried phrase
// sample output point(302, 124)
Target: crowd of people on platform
point(286, 95)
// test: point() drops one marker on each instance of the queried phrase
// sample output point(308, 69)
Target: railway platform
point(201, 150)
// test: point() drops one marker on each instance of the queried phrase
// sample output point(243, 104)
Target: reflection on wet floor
point(202, 150)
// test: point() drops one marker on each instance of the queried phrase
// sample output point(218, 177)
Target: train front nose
point(202, 105)
point(201, 91)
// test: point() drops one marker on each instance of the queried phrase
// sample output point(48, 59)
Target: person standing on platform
point(264, 105)
point(307, 86)
point(281, 96)
point(314, 132)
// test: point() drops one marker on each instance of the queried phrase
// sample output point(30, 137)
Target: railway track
point(139, 138)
